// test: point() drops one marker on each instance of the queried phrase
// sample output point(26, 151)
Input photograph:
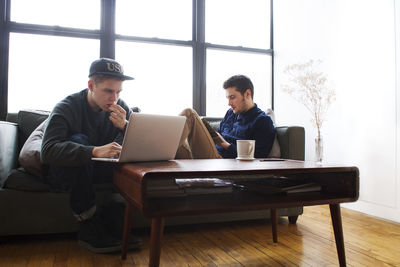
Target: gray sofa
point(29, 206)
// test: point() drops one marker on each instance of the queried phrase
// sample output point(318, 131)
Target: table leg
point(157, 229)
point(127, 229)
point(338, 230)
point(274, 220)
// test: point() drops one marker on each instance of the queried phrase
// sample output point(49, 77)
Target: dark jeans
point(79, 181)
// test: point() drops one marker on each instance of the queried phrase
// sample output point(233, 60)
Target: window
point(223, 64)
point(66, 13)
point(238, 23)
point(179, 51)
point(48, 69)
point(237, 42)
point(163, 76)
point(170, 19)
point(154, 43)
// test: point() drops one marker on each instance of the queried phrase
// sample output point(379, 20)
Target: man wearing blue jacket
point(243, 121)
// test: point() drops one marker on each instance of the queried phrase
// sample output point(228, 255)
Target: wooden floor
point(368, 241)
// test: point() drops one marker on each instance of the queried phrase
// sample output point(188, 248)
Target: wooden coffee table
point(338, 184)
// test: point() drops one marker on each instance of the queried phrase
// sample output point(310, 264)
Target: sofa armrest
point(291, 140)
point(8, 149)
point(12, 117)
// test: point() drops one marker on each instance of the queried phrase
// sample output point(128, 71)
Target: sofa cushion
point(29, 156)
point(20, 179)
point(28, 121)
point(276, 149)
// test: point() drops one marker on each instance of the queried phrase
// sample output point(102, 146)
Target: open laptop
point(150, 137)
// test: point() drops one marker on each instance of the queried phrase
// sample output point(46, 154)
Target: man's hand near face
point(111, 150)
point(118, 116)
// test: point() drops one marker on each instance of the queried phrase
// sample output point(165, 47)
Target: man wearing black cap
point(90, 123)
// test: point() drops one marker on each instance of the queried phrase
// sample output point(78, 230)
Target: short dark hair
point(241, 83)
point(99, 78)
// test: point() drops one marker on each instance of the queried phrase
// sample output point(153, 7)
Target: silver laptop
point(150, 137)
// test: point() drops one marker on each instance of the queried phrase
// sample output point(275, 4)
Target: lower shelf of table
point(237, 201)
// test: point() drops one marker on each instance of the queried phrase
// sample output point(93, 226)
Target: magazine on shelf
point(178, 187)
point(194, 186)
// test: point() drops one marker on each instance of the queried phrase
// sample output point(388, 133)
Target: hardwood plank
point(86, 257)
point(36, 256)
point(140, 257)
point(239, 250)
point(201, 243)
point(10, 255)
point(257, 239)
point(195, 248)
point(360, 236)
point(369, 241)
point(48, 252)
point(319, 250)
point(288, 248)
point(62, 254)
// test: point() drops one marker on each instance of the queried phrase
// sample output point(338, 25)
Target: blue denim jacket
point(253, 124)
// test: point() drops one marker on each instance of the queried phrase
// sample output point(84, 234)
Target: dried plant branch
point(309, 87)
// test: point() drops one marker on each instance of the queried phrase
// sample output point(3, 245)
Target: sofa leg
point(293, 219)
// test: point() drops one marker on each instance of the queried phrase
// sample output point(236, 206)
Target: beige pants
point(196, 141)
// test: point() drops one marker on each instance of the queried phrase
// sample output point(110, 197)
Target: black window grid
point(107, 36)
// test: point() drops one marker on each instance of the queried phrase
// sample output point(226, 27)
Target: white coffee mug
point(245, 149)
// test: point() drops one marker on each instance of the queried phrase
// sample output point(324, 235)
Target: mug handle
point(251, 148)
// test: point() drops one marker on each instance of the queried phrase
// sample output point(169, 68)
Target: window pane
point(163, 76)
point(238, 22)
point(47, 70)
point(221, 65)
point(67, 13)
point(170, 19)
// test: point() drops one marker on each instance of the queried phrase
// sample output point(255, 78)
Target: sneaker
point(94, 236)
point(113, 217)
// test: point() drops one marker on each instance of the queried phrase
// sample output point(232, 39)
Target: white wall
point(356, 40)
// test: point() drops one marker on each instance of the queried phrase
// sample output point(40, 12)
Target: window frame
point(107, 36)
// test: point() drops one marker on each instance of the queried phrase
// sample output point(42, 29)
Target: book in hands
point(214, 134)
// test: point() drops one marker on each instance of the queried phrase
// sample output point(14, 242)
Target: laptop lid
point(151, 137)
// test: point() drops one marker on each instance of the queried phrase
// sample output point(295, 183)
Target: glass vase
point(319, 150)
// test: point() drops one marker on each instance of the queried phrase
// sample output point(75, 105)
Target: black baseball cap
point(108, 66)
